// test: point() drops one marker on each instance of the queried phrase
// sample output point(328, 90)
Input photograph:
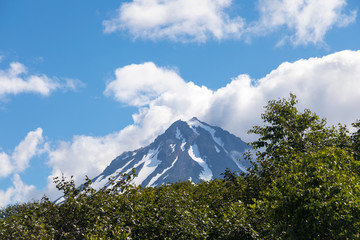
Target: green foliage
point(304, 184)
point(307, 176)
point(355, 137)
point(318, 198)
point(288, 132)
point(181, 210)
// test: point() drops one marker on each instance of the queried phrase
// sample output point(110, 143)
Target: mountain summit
point(188, 150)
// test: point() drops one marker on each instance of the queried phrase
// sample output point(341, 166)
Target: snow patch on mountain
point(217, 149)
point(235, 156)
point(172, 146)
point(99, 183)
point(154, 179)
point(102, 181)
point(183, 146)
point(194, 153)
point(150, 163)
point(178, 134)
point(194, 123)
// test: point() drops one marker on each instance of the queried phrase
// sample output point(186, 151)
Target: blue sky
point(82, 81)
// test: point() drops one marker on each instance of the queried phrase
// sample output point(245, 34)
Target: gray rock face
point(191, 150)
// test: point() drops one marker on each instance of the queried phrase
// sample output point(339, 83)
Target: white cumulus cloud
point(327, 85)
point(27, 149)
point(178, 20)
point(18, 193)
point(6, 166)
point(19, 159)
point(16, 80)
point(17, 162)
point(139, 84)
point(310, 20)
point(304, 21)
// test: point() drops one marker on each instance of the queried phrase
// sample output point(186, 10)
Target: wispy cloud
point(16, 80)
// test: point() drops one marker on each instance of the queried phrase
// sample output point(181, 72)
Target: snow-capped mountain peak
point(186, 150)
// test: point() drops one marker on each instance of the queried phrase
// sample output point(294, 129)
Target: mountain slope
point(191, 150)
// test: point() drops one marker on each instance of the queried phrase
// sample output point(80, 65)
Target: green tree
point(306, 177)
point(287, 132)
